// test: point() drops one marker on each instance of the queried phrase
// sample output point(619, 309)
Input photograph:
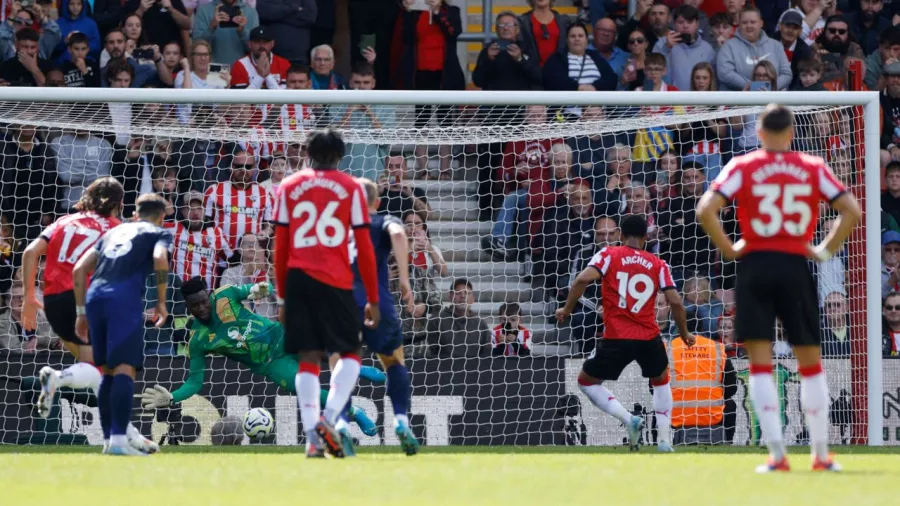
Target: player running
point(113, 307)
point(778, 193)
point(631, 278)
point(221, 325)
point(63, 243)
point(315, 209)
point(387, 340)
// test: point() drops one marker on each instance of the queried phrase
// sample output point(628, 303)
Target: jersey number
point(69, 252)
point(769, 206)
point(639, 287)
point(329, 231)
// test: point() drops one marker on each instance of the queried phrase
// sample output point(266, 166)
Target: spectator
point(656, 68)
point(890, 261)
point(542, 30)
point(28, 181)
point(831, 274)
point(298, 116)
point(12, 335)
point(834, 45)
point(132, 167)
point(422, 252)
point(890, 111)
point(136, 42)
point(253, 267)
point(682, 242)
point(703, 309)
point(733, 10)
point(24, 19)
point(743, 128)
point(502, 65)
point(196, 75)
point(396, 194)
point(25, 68)
point(167, 17)
point(578, 69)
point(171, 63)
point(545, 191)
point(457, 332)
point(704, 32)
point(814, 13)
point(363, 160)
point(198, 245)
point(240, 205)
point(261, 68)
point(842, 82)
point(725, 333)
point(890, 198)
point(701, 141)
point(809, 75)
point(226, 25)
point(81, 158)
point(835, 325)
point(80, 70)
point(740, 55)
point(289, 23)
point(620, 170)
point(605, 31)
point(684, 48)
point(656, 22)
point(634, 71)
point(75, 17)
point(722, 30)
point(278, 170)
point(888, 52)
point(510, 338)
point(367, 18)
point(668, 168)
point(426, 303)
point(795, 48)
point(164, 183)
point(115, 49)
point(867, 24)
point(323, 76)
point(639, 201)
point(890, 314)
point(53, 78)
point(588, 151)
point(566, 228)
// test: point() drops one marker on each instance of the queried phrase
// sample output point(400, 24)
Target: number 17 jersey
point(631, 280)
point(67, 239)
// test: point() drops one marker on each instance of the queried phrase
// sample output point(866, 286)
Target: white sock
point(81, 375)
point(341, 425)
point(398, 419)
point(307, 385)
point(815, 402)
point(118, 440)
point(601, 397)
point(765, 403)
point(662, 406)
point(343, 381)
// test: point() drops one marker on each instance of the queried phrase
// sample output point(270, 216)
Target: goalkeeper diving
point(221, 325)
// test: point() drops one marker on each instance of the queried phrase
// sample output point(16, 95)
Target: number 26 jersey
point(631, 280)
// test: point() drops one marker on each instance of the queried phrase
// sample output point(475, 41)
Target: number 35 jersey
point(631, 280)
point(125, 261)
point(67, 239)
point(777, 196)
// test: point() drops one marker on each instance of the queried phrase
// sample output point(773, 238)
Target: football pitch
point(269, 476)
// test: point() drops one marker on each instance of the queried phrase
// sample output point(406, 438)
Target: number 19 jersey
point(67, 239)
point(778, 196)
point(631, 280)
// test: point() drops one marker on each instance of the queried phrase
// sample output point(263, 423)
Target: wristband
point(79, 311)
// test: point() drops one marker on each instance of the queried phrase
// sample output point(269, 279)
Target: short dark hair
point(576, 24)
point(510, 308)
point(656, 59)
point(719, 18)
point(809, 64)
point(890, 36)
point(363, 68)
point(687, 12)
point(112, 31)
point(193, 286)
point(116, 67)
point(776, 118)
point(462, 281)
point(150, 205)
point(298, 68)
point(77, 38)
point(893, 166)
point(28, 34)
point(750, 8)
point(633, 225)
point(325, 148)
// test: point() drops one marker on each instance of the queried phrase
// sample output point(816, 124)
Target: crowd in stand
point(553, 203)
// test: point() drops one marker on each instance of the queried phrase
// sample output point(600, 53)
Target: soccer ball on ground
point(258, 422)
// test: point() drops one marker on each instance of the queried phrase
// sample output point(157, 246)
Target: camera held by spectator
point(510, 338)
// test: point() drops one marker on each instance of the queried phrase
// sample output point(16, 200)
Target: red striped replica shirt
point(631, 280)
point(195, 252)
point(523, 339)
point(237, 211)
point(67, 239)
point(777, 198)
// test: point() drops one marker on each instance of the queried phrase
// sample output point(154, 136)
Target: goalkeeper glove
point(156, 397)
point(259, 291)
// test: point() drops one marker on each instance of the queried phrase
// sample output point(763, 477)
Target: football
point(258, 422)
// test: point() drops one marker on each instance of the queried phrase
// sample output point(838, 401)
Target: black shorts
point(612, 356)
point(770, 285)
point(318, 317)
point(60, 311)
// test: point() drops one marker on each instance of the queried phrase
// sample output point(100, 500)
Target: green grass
point(264, 476)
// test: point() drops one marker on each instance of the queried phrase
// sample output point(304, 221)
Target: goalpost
point(503, 156)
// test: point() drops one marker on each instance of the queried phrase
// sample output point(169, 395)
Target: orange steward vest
point(697, 390)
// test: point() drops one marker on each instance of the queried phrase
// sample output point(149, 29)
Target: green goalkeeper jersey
point(233, 332)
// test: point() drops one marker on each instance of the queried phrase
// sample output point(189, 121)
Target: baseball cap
point(792, 17)
point(892, 70)
point(192, 196)
point(259, 33)
point(889, 237)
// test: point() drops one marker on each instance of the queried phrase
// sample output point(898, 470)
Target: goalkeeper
point(221, 325)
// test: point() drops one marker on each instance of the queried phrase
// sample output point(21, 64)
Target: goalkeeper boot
point(774, 466)
point(137, 441)
point(373, 374)
point(331, 440)
point(366, 425)
point(665, 447)
point(408, 440)
point(634, 427)
point(49, 381)
point(347, 442)
point(829, 465)
point(124, 451)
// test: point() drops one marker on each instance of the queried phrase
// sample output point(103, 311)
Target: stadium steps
point(493, 291)
point(447, 190)
point(454, 210)
point(462, 250)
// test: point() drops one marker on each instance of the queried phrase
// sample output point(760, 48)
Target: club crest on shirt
point(224, 311)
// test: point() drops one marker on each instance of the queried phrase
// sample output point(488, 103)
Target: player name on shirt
point(637, 260)
point(774, 169)
point(328, 184)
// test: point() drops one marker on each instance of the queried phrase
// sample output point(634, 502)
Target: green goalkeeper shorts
point(281, 371)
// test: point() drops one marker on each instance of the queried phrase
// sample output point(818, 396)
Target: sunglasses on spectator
point(20, 21)
point(246, 166)
point(639, 40)
point(838, 31)
point(545, 33)
point(892, 308)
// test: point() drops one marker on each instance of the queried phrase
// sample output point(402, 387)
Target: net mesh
point(514, 199)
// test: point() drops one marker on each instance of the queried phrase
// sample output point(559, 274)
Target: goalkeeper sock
point(601, 397)
point(81, 375)
point(765, 403)
point(398, 388)
point(662, 407)
point(343, 381)
point(308, 389)
point(120, 397)
point(815, 402)
point(104, 407)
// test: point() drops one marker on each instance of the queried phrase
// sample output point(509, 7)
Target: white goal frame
point(871, 124)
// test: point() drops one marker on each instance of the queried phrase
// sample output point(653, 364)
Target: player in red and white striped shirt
point(239, 206)
point(196, 247)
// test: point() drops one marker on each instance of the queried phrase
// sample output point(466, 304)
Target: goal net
point(503, 205)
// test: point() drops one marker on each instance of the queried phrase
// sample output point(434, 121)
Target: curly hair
point(103, 196)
